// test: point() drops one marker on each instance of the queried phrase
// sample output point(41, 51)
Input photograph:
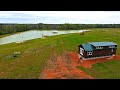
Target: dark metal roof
point(102, 43)
point(87, 47)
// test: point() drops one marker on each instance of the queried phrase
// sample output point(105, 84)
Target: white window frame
point(111, 46)
point(99, 47)
point(89, 53)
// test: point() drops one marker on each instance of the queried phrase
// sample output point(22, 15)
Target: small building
point(97, 50)
point(82, 33)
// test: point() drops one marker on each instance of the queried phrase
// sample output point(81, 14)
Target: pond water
point(33, 34)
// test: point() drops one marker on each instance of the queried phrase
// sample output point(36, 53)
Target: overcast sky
point(58, 17)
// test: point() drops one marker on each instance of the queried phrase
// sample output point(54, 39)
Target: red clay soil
point(89, 63)
point(63, 70)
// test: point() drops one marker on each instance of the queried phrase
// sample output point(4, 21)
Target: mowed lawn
point(106, 70)
point(35, 53)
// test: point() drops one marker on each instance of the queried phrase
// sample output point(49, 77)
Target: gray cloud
point(86, 17)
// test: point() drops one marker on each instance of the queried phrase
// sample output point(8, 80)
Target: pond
point(33, 34)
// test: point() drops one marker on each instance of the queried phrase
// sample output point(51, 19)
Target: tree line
point(13, 28)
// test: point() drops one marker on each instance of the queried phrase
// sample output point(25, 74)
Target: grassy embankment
point(35, 53)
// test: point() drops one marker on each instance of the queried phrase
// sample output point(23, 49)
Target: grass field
point(106, 70)
point(35, 54)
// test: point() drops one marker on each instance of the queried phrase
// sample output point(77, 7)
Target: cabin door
point(81, 51)
point(112, 50)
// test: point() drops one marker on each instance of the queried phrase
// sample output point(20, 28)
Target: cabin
point(95, 50)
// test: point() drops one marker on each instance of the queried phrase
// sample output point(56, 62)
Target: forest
point(13, 28)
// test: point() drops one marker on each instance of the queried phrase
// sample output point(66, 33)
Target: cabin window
point(111, 46)
point(89, 52)
point(99, 47)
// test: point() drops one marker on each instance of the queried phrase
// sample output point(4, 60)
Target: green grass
point(35, 53)
point(106, 70)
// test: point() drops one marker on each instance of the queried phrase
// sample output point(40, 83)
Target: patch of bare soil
point(64, 67)
point(89, 63)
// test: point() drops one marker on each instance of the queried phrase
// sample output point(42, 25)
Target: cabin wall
point(81, 51)
point(85, 54)
point(104, 52)
point(98, 53)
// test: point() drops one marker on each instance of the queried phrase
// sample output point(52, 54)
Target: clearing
point(53, 54)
